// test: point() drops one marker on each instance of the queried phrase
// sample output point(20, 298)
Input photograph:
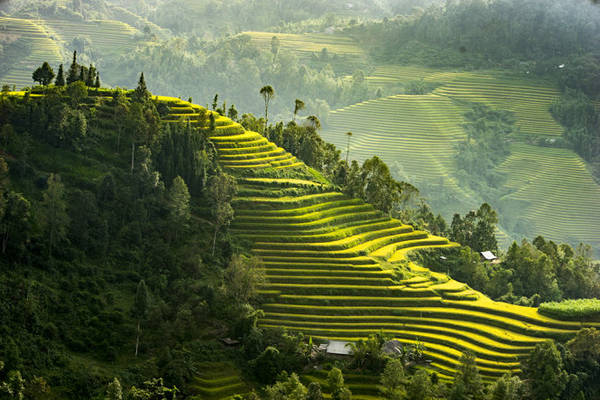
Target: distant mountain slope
point(546, 191)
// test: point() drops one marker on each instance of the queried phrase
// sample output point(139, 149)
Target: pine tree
point(91, 76)
point(97, 83)
point(74, 70)
point(60, 77)
point(141, 93)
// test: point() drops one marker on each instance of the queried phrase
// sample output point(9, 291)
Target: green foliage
point(60, 77)
point(368, 354)
point(222, 188)
point(578, 114)
point(545, 371)
point(267, 365)
point(287, 388)
point(337, 388)
point(55, 220)
point(43, 74)
point(77, 91)
point(576, 309)
point(477, 229)
point(74, 73)
point(467, 382)
point(153, 389)
point(419, 387)
point(141, 93)
point(114, 390)
point(393, 379)
point(243, 277)
point(488, 131)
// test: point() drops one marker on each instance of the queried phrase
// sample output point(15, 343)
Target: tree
point(114, 390)
point(467, 380)
point(179, 204)
point(232, 113)
point(55, 220)
point(314, 121)
point(60, 76)
point(222, 188)
point(153, 389)
point(335, 380)
point(215, 101)
point(243, 277)
point(298, 106)
point(275, 47)
point(140, 309)
point(349, 135)
point(74, 70)
point(287, 388)
point(420, 386)
point(91, 76)
point(141, 93)
point(267, 93)
point(392, 379)
point(545, 372)
point(77, 91)
point(267, 365)
point(314, 391)
point(14, 387)
point(14, 222)
point(43, 74)
point(97, 82)
point(508, 388)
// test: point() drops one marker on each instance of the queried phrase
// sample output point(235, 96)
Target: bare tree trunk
point(215, 240)
point(137, 339)
point(132, 154)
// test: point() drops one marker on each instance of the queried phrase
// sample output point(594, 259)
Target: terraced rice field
point(344, 53)
point(217, 381)
point(555, 192)
point(530, 101)
point(332, 264)
point(416, 135)
point(107, 37)
point(35, 47)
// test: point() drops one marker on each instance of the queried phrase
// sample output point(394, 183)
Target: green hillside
point(337, 269)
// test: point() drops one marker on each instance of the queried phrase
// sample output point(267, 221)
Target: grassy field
point(34, 46)
point(547, 191)
point(332, 263)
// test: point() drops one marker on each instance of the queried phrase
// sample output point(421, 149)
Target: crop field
point(330, 262)
point(35, 46)
point(107, 37)
point(344, 54)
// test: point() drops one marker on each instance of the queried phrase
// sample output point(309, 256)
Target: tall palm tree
point(267, 93)
point(314, 121)
point(298, 105)
point(349, 134)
